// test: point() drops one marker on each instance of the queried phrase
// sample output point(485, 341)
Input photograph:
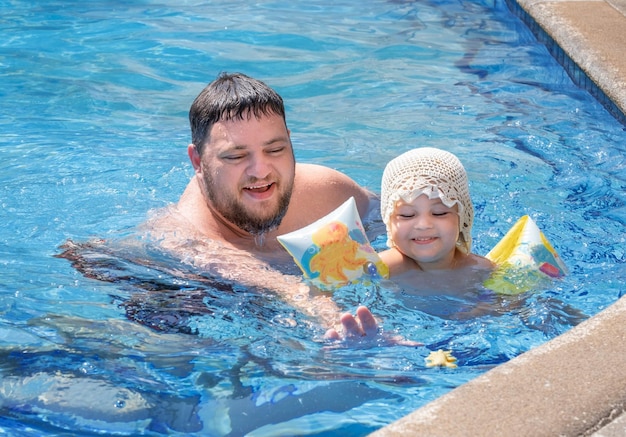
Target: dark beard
point(235, 213)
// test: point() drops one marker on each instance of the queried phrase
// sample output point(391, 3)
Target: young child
point(426, 206)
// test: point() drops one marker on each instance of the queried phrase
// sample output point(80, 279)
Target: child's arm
point(396, 261)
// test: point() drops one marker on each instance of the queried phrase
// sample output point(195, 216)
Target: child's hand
point(363, 328)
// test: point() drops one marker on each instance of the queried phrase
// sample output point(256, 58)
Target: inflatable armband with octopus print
point(524, 258)
point(334, 251)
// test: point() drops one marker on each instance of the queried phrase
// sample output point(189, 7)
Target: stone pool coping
point(575, 384)
point(572, 385)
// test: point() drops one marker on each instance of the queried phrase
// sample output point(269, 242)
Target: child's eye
point(406, 216)
point(441, 213)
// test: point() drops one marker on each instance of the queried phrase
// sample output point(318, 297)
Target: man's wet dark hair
point(231, 97)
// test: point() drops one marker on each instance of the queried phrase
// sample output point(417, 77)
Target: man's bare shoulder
point(189, 217)
point(314, 169)
point(322, 174)
point(327, 188)
point(166, 223)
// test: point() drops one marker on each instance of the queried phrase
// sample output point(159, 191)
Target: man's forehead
point(243, 134)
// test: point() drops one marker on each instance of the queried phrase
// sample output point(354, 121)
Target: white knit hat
point(430, 171)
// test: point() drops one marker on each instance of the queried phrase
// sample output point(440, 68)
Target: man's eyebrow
point(236, 147)
point(277, 140)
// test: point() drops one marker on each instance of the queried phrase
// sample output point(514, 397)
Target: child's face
point(426, 230)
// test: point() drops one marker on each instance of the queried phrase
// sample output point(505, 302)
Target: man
point(247, 183)
point(248, 189)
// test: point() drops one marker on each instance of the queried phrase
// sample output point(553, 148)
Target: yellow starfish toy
point(441, 358)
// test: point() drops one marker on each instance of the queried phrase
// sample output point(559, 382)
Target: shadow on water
point(240, 371)
point(164, 296)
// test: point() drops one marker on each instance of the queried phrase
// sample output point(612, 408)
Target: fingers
point(362, 325)
point(332, 334)
point(351, 327)
point(368, 322)
point(363, 329)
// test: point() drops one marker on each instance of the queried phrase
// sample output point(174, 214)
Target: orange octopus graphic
point(337, 252)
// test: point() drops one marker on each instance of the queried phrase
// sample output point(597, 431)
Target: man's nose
point(259, 167)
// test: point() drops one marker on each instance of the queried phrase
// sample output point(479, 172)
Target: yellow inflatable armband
point(334, 251)
point(524, 258)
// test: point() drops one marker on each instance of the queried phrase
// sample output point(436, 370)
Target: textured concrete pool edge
point(575, 384)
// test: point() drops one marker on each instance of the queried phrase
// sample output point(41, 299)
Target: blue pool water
point(93, 137)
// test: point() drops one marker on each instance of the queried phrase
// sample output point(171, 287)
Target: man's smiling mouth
point(259, 188)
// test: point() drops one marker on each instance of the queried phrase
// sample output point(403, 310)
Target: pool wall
point(575, 384)
point(588, 38)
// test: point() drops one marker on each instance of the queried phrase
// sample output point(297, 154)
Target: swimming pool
point(94, 132)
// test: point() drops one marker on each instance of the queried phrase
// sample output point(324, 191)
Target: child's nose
point(422, 221)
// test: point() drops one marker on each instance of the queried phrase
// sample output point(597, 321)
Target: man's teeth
point(259, 187)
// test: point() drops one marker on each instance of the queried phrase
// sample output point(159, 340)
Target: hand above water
point(363, 328)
